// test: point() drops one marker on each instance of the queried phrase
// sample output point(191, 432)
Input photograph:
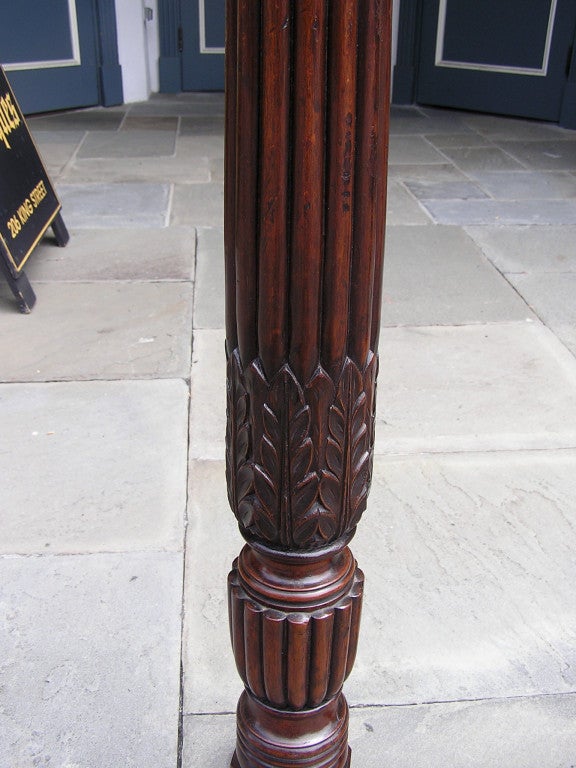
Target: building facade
point(516, 58)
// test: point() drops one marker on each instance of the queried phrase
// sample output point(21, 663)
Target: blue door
point(510, 57)
point(49, 53)
point(202, 45)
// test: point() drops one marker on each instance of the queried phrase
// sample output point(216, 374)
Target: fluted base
point(271, 738)
point(295, 620)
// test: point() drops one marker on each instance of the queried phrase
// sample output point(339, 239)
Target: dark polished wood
point(307, 88)
point(20, 287)
point(60, 231)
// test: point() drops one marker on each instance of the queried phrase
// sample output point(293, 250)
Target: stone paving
point(117, 537)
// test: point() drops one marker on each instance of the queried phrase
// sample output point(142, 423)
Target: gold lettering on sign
point(38, 193)
point(26, 209)
point(9, 119)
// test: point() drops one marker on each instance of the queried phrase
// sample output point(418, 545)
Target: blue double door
point(203, 24)
point(61, 54)
point(512, 57)
point(48, 50)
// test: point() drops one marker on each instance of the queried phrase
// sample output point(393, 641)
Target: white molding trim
point(510, 70)
point(76, 59)
point(202, 25)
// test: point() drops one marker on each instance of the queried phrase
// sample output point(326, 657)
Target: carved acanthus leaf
point(344, 480)
point(285, 487)
point(239, 469)
point(299, 459)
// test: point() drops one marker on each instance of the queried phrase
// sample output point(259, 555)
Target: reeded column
point(307, 86)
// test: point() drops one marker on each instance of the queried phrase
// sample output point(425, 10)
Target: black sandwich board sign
point(28, 203)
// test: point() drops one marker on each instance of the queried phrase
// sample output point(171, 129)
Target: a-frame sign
point(28, 203)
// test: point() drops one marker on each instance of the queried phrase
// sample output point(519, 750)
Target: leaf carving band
point(299, 456)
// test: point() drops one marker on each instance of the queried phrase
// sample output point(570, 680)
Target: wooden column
point(306, 156)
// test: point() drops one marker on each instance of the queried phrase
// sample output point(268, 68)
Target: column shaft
point(306, 154)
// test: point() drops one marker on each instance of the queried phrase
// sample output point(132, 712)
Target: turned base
point(236, 764)
point(271, 738)
point(294, 620)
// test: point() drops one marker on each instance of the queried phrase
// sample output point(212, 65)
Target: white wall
point(138, 48)
point(152, 33)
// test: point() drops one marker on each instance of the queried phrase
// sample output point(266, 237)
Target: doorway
point(62, 54)
point(203, 33)
point(512, 58)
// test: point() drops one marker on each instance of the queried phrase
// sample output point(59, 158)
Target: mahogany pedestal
point(307, 85)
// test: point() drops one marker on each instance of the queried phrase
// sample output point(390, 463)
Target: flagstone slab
point(503, 213)
point(104, 330)
point(208, 395)
point(527, 185)
point(200, 145)
point(469, 560)
point(502, 386)
point(468, 542)
point(544, 155)
point(438, 276)
point(520, 733)
point(149, 123)
point(121, 204)
point(431, 275)
point(56, 148)
point(552, 297)
point(210, 678)
point(405, 120)
point(198, 205)
point(425, 172)
point(116, 254)
point(412, 149)
point(469, 563)
point(469, 139)
point(93, 466)
point(476, 387)
point(208, 740)
point(202, 126)
point(176, 168)
point(90, 660)
point(402, 208)
point(209, 293)
point(445, 190)
point(472, 159)
point(531, 250)
point(217, 169)
point(184, 104)
point(500, 128)
point(94, 119)
point(145, 142)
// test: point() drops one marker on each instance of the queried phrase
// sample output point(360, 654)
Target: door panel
point(203, 45)
point(503, 57)
point(471, 38)
point(27, 45)
point(49, 52)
